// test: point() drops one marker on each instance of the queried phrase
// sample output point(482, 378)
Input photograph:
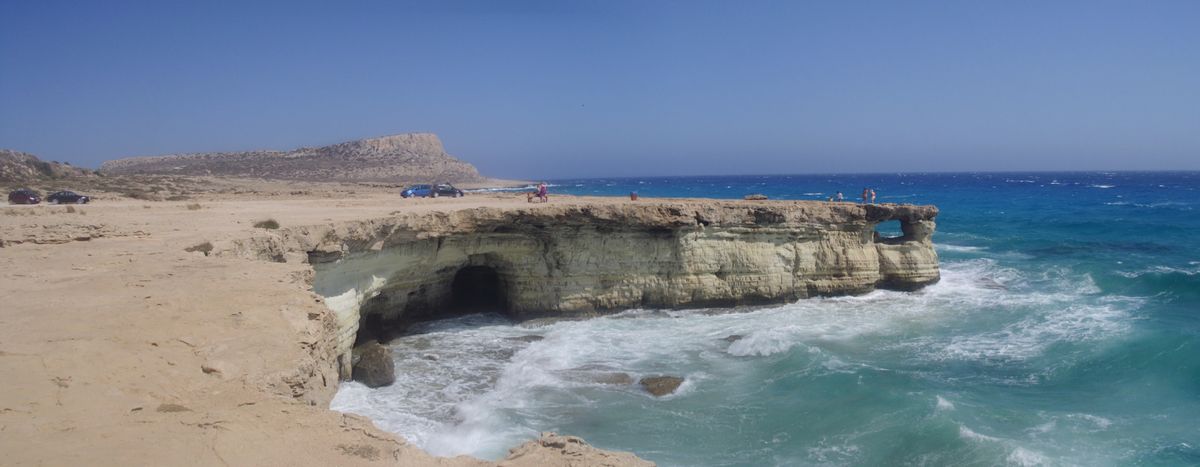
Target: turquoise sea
point(1065, 331)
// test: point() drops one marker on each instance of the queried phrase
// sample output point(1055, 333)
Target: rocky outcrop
point(415, 157)
point(554, 450)
point(578, 260)
point(373, 365)
point(659, 386)
point(21, 167)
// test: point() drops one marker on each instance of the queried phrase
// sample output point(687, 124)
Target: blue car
point(431, 191)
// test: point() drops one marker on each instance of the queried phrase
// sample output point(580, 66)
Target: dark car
point(431, 191)
point(67, 197)
point(24, 196)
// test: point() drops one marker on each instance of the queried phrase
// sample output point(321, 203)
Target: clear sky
point(550, 89)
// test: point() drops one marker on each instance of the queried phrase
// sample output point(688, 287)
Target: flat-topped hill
point(413, 157)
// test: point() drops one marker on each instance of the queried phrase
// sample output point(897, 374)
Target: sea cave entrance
point(477, 289)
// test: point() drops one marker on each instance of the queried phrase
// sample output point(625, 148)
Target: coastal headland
point(215, 330)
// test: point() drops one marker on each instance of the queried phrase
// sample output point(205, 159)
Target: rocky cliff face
point(416, 157)
point(586, 259)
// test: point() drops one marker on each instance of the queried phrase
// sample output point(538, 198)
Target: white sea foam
point(1017, 455)
point(1030, 337)
point(1102, 186)
point(834, 454)
point(957, 248)
point(1026, 458)
point(1100, 423)
point(1180, 205)
point(1160, 270)
point(971, 435)
point(944, 405)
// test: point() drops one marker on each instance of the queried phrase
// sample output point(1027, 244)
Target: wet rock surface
point(373, 365)
point(661, 385)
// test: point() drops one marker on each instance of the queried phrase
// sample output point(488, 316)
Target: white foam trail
point(1157, 270)
point(969, 434)
point(957, 248)
point(1018, 455)
point(1099, 422)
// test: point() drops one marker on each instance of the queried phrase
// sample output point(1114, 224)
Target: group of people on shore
point(540, 195)
point(868, 196)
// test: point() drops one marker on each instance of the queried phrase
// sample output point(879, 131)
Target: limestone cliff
point(415, 157)
point(584, 259)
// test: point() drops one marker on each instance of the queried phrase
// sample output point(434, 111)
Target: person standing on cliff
point(839, 197)
point(866, 196)
point(543, 193)
point(872, 196)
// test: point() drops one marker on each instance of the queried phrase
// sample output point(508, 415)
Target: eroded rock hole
point(889, 232)
point(477, 289)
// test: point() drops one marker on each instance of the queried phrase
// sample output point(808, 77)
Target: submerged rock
point(527, 339)
point(597, 374)
point(615, 378)
point(661, 385)
point(373, 365)
point(733, 338)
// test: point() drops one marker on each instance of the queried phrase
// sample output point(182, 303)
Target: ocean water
point(1065, 331)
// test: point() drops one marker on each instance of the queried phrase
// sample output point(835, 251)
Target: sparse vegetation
point(138, 194)
point(178, 198)
point(193, 207)
point(70, 209)
point(269, 224)
point(206, 248)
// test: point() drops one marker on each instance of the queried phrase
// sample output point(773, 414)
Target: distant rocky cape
point(413, 157)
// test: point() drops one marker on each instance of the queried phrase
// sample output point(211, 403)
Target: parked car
point(24, 196)
point(431, 191)
point(67, 197)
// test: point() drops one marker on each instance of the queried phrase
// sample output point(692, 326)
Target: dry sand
point(117, 347)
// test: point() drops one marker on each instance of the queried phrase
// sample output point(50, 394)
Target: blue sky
point(551, 89)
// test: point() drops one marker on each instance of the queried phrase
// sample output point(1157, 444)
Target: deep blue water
point(1065, 331)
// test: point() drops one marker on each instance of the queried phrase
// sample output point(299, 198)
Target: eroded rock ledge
point(584, 259)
